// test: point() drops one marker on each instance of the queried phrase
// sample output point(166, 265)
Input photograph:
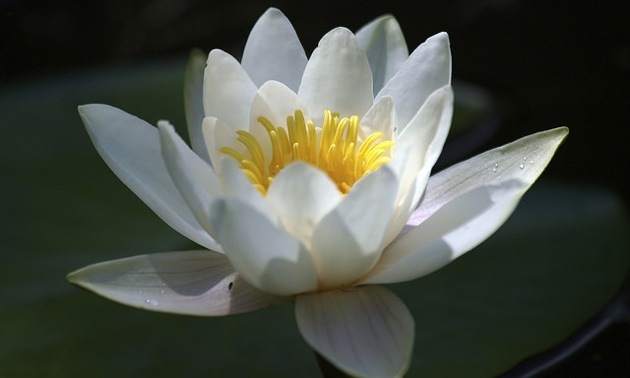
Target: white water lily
point(308, 180)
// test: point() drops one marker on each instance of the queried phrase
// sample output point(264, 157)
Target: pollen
point(335, 148)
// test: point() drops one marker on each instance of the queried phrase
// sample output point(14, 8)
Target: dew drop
point(531, 162)
point(521, 166)
point(162, 291)
point(152, 302)
point(139, 291)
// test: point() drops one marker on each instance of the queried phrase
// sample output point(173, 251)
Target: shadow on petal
point(200, 283)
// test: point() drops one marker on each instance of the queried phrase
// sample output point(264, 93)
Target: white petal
point(265, 256)
point(427, 69)
point(337, 77)
point(385, 47)
point(380, 118)
point(193, 101)
point(454, 229)
point(236, 184)
point(301, 195)
point(464, 205)
point(417, 148)
point(198, 283)
point(274, 52)
point(523, 160)
point(364, 331)
point(348, 241)
point(426, 134)
point(274, 101)
point(228, 91)
point(217, 134)
point(194, 178)
point(131, 149)
point(403, 205)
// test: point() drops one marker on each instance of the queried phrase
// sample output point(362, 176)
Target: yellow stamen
point(335, 149)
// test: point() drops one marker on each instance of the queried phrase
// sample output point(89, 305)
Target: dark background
point(551, 64)
point(558, 63)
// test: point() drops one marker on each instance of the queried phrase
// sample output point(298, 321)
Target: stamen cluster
point(334, 148)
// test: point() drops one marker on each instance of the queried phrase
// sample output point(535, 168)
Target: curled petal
point(191, 283)
point(274, 52)
point(364, 331)
point(131, 149)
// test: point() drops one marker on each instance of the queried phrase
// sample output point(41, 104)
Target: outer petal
point(364, 331)
point(427, 69)
point(193, 101)
point(265, 256)
point(131, 149)
point(464, 205)
point(274, 52)
point(337, 77)
point(385, 47)
point(228, 91)
point(191, 283)
point(348, 241)
point(194, 178)
point(301, 195)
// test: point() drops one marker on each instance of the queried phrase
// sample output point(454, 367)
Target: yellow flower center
point(335, 149)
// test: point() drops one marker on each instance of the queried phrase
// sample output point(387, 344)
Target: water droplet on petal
point(152, 302)
point(531, 162)
point(521, 166)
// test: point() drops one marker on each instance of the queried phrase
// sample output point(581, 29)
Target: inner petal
point(336, 148)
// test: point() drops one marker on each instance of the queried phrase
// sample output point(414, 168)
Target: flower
point(308, 180)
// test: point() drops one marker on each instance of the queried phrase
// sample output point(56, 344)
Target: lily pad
point(553, 266)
